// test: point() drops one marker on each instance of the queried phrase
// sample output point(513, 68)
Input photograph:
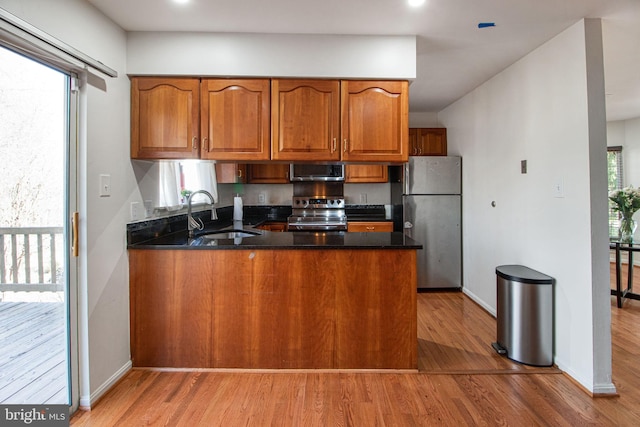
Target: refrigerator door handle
point(407, 177)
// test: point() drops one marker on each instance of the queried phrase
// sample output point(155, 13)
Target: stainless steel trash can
point(525, 315)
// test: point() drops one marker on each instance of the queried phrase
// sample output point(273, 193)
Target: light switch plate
point(558, 187)
point(105, 185)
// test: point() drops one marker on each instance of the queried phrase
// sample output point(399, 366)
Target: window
point(614, 168)
point(178, 179)
point(196, 175)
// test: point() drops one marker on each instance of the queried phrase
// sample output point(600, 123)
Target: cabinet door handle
point(334, 145)
point(239, 173)
point(371, 228)
point(194, 142)
point(346, 143)
point(205, 143)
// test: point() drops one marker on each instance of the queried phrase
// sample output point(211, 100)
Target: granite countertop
point(171, 233)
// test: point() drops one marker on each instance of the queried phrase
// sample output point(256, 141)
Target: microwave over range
point(316, 172)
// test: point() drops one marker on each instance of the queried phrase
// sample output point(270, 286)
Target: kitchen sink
point(211, 238)
point(230, 234)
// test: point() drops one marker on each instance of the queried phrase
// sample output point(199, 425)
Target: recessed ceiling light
point(416, 3)
point(181, 1)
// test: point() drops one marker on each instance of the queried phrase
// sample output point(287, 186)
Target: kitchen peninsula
point(292, 300)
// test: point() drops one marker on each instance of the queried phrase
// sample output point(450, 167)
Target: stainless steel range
point(322, 211)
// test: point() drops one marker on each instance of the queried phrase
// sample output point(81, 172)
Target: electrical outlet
point(262, 198)
point(363, 197)
point(148, 208)
point(135, 211)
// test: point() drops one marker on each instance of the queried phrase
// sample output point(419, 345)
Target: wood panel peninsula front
point(275, 301)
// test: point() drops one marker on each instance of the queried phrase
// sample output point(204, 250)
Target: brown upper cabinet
point(260, 119)
point(366, 173)
point(165, 117)
point(305, 119)
point(375, 121)
point(235, 119)
point(331, 120)
point(182, 118)
point(428, 141)
point(268, 173)
point(231, 173)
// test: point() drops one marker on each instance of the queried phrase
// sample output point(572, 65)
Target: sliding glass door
point(37, 198)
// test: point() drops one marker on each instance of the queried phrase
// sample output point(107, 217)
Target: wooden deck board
point(33, 367)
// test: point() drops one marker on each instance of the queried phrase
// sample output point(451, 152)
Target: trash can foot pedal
point(498, 348)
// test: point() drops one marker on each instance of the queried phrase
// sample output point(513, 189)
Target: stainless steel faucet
point(196, 223)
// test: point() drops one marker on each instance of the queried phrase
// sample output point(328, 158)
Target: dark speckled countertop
point(171, 233)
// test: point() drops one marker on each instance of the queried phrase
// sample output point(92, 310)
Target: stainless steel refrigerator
point(432, 215)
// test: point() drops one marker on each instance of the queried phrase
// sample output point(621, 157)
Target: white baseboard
point(480, 302)
point(104, 387)
point(596, 389)
point(604, 389)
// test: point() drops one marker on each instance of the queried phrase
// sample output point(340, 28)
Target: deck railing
point(32, 259)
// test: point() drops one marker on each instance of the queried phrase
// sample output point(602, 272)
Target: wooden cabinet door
point(268, 173)
point(171, 300)
point(414, 149)
point(370, 226)
point(384, 337)
point(235, 119)
point(165, 118)
point(375, 121)
point(231, 173)
point(366, 173)
point(273, 226)
point(428, 141)
point(305, 118)
point(433, 141)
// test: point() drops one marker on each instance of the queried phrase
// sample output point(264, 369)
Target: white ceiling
point(453, 55)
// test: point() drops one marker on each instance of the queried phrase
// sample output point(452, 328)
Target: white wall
point(104, 149)
point(423, 120)
point(538, 110)
point(271, 55)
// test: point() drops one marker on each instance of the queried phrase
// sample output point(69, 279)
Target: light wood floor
point(462, 382)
